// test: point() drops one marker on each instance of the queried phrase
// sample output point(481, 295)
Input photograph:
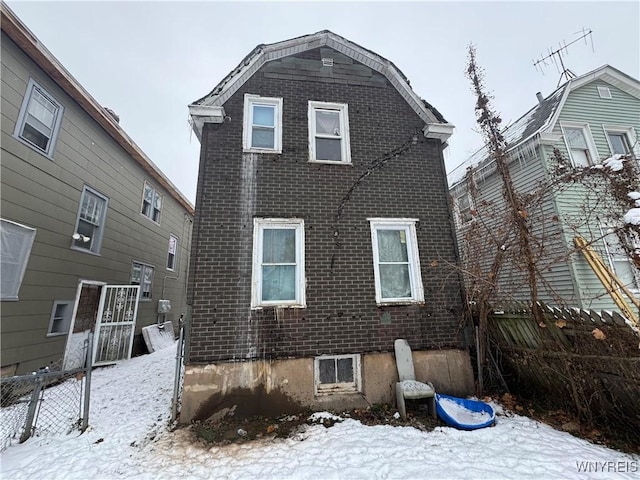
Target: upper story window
point(262, 124)
point(39, 119)
point(396, 264)
point(621, 139)
point(172, 255)
point(151, 203)
point(579, 143)
point(278, 262)
point(90, 221)
point(15, 246)
point(142, 274)
point(329, 133)
point(464, 204)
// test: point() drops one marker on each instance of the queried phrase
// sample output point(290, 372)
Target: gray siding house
point(588, 119)
point(83, 209)
point(322, 233)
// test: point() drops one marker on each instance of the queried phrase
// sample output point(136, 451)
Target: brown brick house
point(322, 233)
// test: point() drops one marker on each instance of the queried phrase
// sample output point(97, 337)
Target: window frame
point(247, 123)
point(30, 235)
point(464, 221)
point(94, 246)
point(413, 257)
point(18, 132)
point(320, 389)
point(67, 319)
point(345, 145)
point(259, 225)
point(591, 146)
point(143, 266)
point(172, 267)
point(613, 258)
point(630, 137)
point(156, 193)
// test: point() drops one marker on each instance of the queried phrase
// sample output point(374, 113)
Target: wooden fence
point(585, 361)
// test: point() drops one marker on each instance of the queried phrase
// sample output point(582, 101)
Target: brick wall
point(341, 314)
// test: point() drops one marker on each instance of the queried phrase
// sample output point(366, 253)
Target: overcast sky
point(149, 60)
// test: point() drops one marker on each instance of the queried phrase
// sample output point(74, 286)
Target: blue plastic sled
point(463, 413)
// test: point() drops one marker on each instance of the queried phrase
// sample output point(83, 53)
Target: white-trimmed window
point(579, 143)
point(464, 204)
point(60, 318)
point(396, 264)
point(329, 132)
point(142, 274)
point(15, 246)
point(619, 261)
point(172, 258)
point(621, 139)
point(151, 203)
point(262, 124)
point(39, 119)
point(278, 263)
point(337, 374)
point(90, 221)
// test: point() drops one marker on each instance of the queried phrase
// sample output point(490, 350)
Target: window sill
point(59, 334)
point(34, 148)
point(9, 299)
point(82, 250)
point(261, 150)
point(330, 162)
point(150, 219)
point(280, 305)
point(393, 303)
point(343, 391)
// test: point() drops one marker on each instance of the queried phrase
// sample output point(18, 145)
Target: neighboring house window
point(142, 274)
point(90, 221)
point(395, 261)
point(619, 261)
point(621, 139)
point(60, 318)
point(337, 374)
point(151, 203)
point(15, 246)
point(464, 207)
point(39, 119)
point(278, 262)
point(262, 124)
point(173, 249)
point(580, 144)
point(329, 133)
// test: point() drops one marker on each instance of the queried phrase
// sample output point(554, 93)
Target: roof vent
point(327, 62)
point(604, 92)
point(113, 114)
point(540, 97)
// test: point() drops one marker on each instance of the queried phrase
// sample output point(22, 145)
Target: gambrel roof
point(210, 107)
point(542, 118)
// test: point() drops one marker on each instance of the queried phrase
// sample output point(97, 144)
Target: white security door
point(115, 324)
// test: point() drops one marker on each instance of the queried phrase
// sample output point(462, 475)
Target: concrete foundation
point(275, 387)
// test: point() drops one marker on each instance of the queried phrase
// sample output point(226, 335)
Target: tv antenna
point(556, 56)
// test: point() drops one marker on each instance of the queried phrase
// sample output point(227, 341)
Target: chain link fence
point(47, 402)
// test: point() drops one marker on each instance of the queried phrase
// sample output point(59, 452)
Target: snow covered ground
point(130, 408)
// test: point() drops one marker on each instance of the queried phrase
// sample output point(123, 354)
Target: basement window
point(337, 374)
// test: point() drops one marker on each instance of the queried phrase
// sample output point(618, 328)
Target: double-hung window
point(337, 374)
point(15, 246)
point(142, 274)
point(262, 126)
point(463, 202)
point(90, 221)
point(621, 139)
point(396, 264)
point(278, 263)
point(173, 251)
point(39, 119)
point(580, 144)
point(151, 203)
point(329, 133)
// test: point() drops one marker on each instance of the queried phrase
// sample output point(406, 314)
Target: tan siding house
point(82, 207)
